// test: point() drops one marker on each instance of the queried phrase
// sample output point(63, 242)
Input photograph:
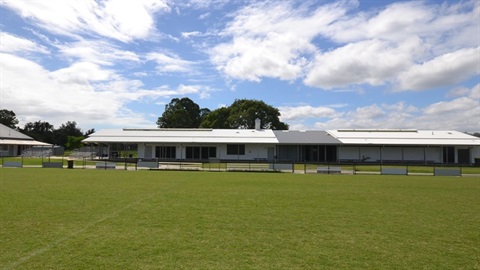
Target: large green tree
point(66, 130)
point(217, 119)
point(182, 113)
point(242, 114)
point(8, 118)
point(39, 130)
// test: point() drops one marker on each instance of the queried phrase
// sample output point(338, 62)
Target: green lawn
point(96, 219)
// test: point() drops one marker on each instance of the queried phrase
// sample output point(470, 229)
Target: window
point(165, 152)
point(198, 152)
point(235, 149)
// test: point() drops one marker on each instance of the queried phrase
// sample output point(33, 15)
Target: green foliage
point(242, 114)
point(96, 219)
point(45, 132)
point(74, 142)
point(66, 130)
point(217, 119)
point(40, 131)
point(8, 118)
point(182, 113)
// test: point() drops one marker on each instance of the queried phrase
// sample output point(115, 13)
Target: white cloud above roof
point(116, 19)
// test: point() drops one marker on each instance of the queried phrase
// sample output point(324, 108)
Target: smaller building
point(13, 143)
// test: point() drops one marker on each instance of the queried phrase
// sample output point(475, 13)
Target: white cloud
point(83, 92)
point(293, 113)
point(81, 73)
point(170, 63)
point(117, 19)
point(202, 4)
point(99, 52)
point(443, 70)
point(390, 23)
point(251, 59)
point(191, 34)
point(461, 113)
point(377, 47)
point(10, 43)
point(475, 94)
point(271, 40)
point(372, 62)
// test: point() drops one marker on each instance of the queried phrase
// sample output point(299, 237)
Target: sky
point(363, 64)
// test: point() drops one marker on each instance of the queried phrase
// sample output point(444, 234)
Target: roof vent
point(258, 124)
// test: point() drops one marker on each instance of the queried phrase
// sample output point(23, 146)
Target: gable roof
point(9, 136)
point(12, 134)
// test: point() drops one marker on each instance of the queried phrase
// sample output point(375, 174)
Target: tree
point(88, 132)
point(242, 114)
point(74, 142)
point(182, 113)
point(40, 131)
point(8, 118)
point(64, 131)
point(217, 119)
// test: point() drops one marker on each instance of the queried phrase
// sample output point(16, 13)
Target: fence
point(239, 166)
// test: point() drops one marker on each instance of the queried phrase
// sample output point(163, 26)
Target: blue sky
point(323, 64)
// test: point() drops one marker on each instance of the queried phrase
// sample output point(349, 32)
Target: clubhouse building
point(333, 146)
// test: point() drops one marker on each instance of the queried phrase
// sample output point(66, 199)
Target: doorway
point(463, 156)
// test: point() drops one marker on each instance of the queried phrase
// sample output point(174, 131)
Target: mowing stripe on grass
point(58, 242)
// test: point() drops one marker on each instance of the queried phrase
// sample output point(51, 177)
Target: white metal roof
point(182, 136)
point(9, 136)
point(10, 133)
point(23, 142)
point(252, 136)
point(404, 137)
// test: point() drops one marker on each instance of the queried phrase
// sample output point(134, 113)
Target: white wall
point(348, 153)
point(475, 153)
point(413, 153)
point(370, 154)
point(252, 151)
point(141, 151)
point(434, 154)
point(390, 153)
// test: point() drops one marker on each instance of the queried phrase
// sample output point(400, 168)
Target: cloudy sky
point(323, 64)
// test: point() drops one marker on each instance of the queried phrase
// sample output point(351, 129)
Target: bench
point(52, 164)
point(105, 165)
point(447, 172)
point(329, 170)
point(12, 164)
point(394, 171)
point(148, 164)
point(281, 166)
point(191, 166)
point(247, 167)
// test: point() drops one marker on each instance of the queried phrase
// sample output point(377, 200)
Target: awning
point(23, 142)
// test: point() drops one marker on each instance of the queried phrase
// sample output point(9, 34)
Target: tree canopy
point(39, 130)
point(182, 113)
point(8, 118)
point(242, 114)
point(68, 134)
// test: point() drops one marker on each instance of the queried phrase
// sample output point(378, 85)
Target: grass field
point(96, 219)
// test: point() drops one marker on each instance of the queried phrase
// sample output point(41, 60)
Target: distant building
point(340, 146)
point(12, 142)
